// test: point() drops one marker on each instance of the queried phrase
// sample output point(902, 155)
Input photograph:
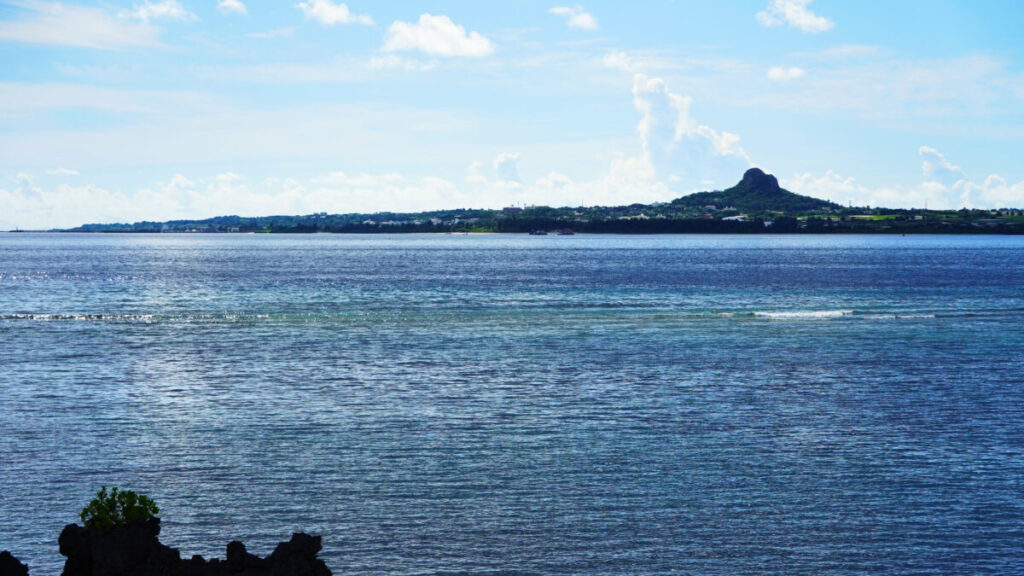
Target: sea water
point(514, 404)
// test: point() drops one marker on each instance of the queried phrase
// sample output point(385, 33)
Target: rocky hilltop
point(757, 192)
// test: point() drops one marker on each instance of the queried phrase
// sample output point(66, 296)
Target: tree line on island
point(755, 205)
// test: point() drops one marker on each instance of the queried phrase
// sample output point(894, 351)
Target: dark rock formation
point(10, 566)
point(135, 550)
point(756, 179)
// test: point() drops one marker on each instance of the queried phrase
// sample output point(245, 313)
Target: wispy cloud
point(619, 60)
point(646, 61)
point(935, 167)
point(970, 91)
point(114, 73)
point(283, 32)
point(329, 14)
point(575, 17)
point(795, 14)
point(436, 35)
point(18, 97)
point(70, 25)
point(394, 62)
point(780, 74)
point(341, 70)
point(847, 52)
point(231, 7)
point(164, 9)
point(506, 166)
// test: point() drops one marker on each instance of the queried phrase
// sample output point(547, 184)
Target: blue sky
point(160, 109)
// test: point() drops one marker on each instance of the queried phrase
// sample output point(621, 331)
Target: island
point(755, 205)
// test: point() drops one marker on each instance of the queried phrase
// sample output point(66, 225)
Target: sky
point(125, 110)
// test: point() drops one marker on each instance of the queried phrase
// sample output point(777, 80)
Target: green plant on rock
point(117, 508)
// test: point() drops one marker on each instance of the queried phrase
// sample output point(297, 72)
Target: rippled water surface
point(536, 405)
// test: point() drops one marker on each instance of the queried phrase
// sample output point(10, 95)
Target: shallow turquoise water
point(585, 404)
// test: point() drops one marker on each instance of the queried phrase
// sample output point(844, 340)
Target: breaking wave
point(804, 314)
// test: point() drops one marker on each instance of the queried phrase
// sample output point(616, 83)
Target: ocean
point(507, 404)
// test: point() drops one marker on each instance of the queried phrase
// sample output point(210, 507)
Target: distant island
point(755, 205)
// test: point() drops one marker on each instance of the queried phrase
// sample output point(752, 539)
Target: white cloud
point(846, 190)
point(619, 60)
point(231, 7)
point(628, 180)
point(164, 9)
point(831, 186)
point(945, 186)
point(995, 192)
point(506, 165)
point(28, 205)
point(70, 25)
point(328, 13)
point(936, 168)
point(780, 74)
point(220, 195)
point(675, 146)
point(343, 192)
point(554, 181)
point(436, 35)
point(795, 14)
point(65, 206)
point(576, 17)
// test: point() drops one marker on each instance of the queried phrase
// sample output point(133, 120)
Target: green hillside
point(756, 192)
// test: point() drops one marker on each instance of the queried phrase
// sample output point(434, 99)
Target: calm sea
point(532, 405)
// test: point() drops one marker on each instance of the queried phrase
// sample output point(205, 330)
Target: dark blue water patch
point(481, 405)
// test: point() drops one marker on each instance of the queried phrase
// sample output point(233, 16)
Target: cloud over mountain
point(677, 148)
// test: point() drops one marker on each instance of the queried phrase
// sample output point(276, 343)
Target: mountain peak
point(756, 192)
point(756, 179)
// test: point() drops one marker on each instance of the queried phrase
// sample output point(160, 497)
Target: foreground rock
point(135, 550)
point(10, 566)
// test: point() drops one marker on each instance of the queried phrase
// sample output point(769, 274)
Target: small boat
point(566, 232)
point(538, 232)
